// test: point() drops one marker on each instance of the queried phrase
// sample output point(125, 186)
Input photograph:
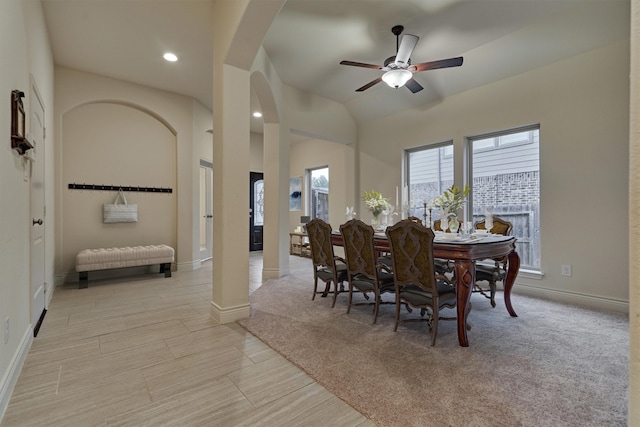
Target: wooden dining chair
point(496, 272)
point(327, 267)
point(415, 278)
point(415, 219)
point(442, 265)
point(364, 273)
point(386, 258)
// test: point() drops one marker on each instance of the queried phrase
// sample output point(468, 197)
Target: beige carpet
point(554, 365)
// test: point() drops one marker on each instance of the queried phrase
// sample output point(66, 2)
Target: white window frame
point(469, 153)
point(416, 206)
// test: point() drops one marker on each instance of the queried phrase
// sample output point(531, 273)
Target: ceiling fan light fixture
point(397, 78)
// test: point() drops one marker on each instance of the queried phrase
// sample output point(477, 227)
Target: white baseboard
point(13, 372)
point(230, 314)
point(274, 273)
point(597, 302)
point(49, 291)
point(189, 266)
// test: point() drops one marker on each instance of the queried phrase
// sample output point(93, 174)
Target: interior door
point(256, 210)
point(38, 224)
point(206, 210)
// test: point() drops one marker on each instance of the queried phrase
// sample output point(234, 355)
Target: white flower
point(452, 199)
point(375, 202)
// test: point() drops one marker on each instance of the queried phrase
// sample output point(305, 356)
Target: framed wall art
point(295, 193)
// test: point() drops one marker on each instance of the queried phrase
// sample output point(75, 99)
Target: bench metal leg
point(166, 269)
point(84, 280)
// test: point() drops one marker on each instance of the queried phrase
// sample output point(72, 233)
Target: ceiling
point(125, 39)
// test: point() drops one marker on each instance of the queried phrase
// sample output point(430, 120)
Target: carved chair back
point(412, 255)
point(319, 233)
point(358, 248)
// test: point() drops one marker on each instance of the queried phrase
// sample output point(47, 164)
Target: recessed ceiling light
point(170, 57)
point(257, 114)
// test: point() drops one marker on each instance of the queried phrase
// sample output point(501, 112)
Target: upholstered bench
point(108, 258)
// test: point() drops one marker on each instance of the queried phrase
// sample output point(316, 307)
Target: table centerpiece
point(450, 202)
point(376, 204)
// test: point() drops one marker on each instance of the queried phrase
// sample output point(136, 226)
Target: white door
point(36, 127)
point(206, 210)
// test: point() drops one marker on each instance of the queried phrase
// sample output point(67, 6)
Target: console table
point(297, 246)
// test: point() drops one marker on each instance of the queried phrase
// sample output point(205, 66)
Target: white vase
point(444, 223)
point(454, 224)
point(376, 223)
point(488, 222)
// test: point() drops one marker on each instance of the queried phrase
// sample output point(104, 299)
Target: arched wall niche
point(126, 104)
point(111, 142)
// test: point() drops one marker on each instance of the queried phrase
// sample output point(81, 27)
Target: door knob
point(39, 221)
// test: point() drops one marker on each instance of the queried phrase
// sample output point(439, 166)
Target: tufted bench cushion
point(109, 258)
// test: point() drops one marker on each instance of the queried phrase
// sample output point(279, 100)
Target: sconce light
point(18, 139)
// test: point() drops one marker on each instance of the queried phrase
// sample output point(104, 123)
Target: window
point(258, 202)
point(429, 172)
point(318, 184)
point(501, 141)
point(505, 175)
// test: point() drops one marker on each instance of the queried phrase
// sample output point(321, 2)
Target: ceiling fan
point(398, 69)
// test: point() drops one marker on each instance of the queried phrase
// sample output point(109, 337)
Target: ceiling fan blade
point(368, 85)
point(405, 50)
point(413, 86)
point(443, 63)
point(361, 64)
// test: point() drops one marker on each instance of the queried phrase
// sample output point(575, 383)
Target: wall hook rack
point(75, 186)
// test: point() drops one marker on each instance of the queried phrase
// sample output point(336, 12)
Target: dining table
point(464, 252)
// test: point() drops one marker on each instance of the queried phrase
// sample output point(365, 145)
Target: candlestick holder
point(425, 216)
point(404, 213)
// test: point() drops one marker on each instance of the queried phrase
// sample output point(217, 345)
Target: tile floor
point(144, 351)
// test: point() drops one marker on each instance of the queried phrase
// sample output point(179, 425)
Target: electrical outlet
point(566, 270)
point(6, 330)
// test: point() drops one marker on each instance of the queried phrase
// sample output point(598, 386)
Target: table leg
point(513, 265)
point(465, 278)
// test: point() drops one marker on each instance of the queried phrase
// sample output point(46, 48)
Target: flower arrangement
point(375, 202)
point(452, 199)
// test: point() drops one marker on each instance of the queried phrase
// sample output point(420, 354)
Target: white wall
point(582, 105)
point(202, 123)
point(24, 47)
point(339, 158)
point(256, 148)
